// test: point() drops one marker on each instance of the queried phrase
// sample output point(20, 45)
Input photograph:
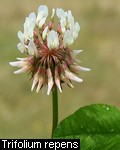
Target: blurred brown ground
point(25, 114)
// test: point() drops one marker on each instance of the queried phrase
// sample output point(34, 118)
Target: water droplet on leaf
point(112, 130)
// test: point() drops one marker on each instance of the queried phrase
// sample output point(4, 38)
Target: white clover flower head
point(50, 60)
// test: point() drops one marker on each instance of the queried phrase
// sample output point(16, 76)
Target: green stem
point(55, 109)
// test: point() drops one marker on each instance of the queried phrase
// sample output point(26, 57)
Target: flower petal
point(32, 50)
point(63, 24)
point(57, 80)
point(53, 13)
point(83, 68)
point(70, 20)
point(42, 11)
point(44, 34)
point(68, 39)
point(76, 52)
point(35, 81)
point(41, 22)
point(21, 47)
point(52, 40)
point(22, 58)
point(66, 80)
point(77, 27)
point(76, 68)
point(50, 81)
point(71, 76)
point(61, 13)
point(18, 64)
point(21, 36)
point(75, 30)
point(40, 83)
point(42, 15)
point(22, 70)
point(29, 25)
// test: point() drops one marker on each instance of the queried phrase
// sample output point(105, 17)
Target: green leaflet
point(96, 125)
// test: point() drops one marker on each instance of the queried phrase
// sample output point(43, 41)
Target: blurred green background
point(25, 114)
